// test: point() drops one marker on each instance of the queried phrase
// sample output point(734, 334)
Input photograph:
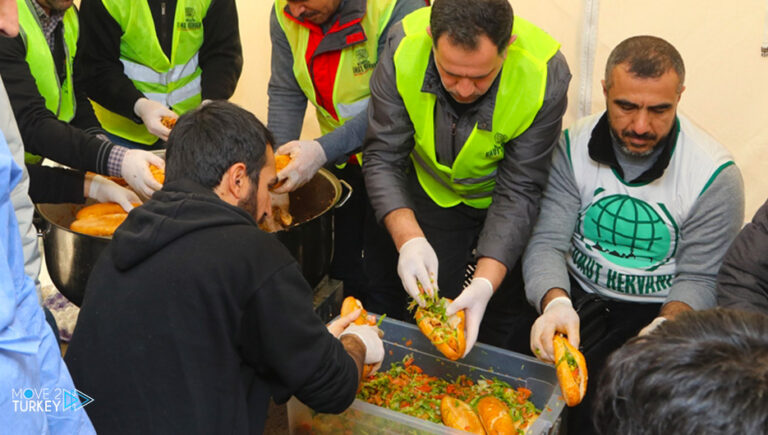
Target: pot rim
point(330, 177)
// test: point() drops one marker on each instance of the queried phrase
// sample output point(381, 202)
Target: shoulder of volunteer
point(558, 76)
point(742, 282)
point(403, 8)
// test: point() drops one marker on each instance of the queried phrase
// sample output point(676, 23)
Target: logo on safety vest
point(628, 232)
point(362, 63)
point(191, 21)
point(496, 152)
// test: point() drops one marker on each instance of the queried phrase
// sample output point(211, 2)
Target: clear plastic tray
point(488, 361)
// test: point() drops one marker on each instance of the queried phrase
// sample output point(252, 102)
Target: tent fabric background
point(726, 78)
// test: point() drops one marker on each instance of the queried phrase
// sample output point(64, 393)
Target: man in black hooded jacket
point(193, 317)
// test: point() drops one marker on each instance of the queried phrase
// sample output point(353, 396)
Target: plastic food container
point(401, 339)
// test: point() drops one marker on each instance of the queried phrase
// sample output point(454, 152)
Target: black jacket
point(73, 144)
point(743, 279)
point(193, 317)
point(55, 185)
point(220, 58)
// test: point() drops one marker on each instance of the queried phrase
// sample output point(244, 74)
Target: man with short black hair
point(466, 108)
point(193, 317)
point(704, 372)
point(639, 209)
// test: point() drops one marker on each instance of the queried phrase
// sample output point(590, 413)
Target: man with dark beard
point(193, 317)
point(639, 210)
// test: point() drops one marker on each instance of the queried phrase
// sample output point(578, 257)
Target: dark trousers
point(607, 327)
point(348, 224)
point(453, 233)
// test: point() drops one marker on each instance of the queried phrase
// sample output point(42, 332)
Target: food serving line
point(70, 256)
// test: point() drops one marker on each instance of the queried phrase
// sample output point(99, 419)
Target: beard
point(251, 205)
point(624, 136)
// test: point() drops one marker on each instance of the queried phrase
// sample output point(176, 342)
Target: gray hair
point(648, 57)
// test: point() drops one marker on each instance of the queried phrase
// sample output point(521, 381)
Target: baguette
point(101, 209)
point(494, 414)
point(571, 370)
point(459, 415)
point(103, 225)
point(445, 333)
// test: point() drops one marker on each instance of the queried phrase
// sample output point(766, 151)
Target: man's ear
point(605, 90)
point(233, 182)
point(429, 30)
point(239, 180)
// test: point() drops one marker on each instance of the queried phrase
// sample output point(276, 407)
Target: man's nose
point(465, 87)
point(296, 9)
point(641, 123)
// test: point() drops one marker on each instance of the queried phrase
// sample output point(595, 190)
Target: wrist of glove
point(652, 326)
point(473, 300)
point(369, 335)
point(104, 190)
point(307, 156)
point(417, 265)
point(558, 316)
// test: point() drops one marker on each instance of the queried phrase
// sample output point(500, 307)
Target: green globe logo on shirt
point(627, 232)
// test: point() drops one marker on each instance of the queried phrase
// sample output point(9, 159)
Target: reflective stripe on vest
point(356, 63)
point(520, 95)
point(174, 82)
point(59, 97)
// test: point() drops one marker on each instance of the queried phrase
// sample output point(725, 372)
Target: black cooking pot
point(70, 256)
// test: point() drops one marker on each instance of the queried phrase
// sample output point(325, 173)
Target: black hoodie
point(193, 317)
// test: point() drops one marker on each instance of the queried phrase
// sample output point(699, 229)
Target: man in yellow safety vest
point(324, 52)
point(466, 108)
point(147, 60)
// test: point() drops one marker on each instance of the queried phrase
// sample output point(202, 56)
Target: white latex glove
point(418, 264)
point(339, 325)
point(151, 112)
point(135, 171)
point(307, 156)
point(369, 335)
point(558, 316)
point(104, 190)
point(652, 326)
point(473, 300)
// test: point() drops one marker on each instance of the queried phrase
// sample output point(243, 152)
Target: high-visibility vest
point(351, 88)
point(472, 177)
point(175, 82)
point(59, 97)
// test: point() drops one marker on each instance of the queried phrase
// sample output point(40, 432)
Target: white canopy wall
point(726, 78)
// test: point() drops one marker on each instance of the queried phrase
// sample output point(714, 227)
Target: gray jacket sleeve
point(389, 137)
point(544, 261)
point(715, 219)
point(349, 137)
point(22, 204)
point(287, 103)
point(742, 282)
point(522, 173)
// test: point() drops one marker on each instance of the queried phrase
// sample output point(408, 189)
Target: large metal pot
point(70, 256)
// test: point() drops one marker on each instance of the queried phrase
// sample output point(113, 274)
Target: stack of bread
point(103, 219)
